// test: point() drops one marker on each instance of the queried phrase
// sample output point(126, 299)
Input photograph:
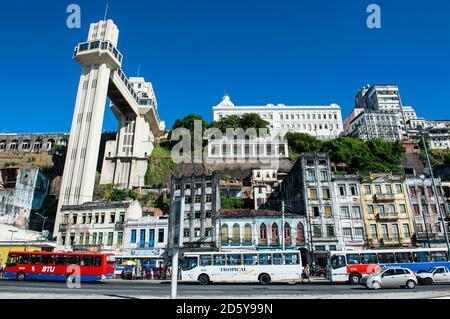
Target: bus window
point(97, 261)
point(189, 263)
point(205, 260)
point(86, 261)
point(277, 259)
point(47, 260)
point(291, 259)
point(73, 260)
point(403, 258)
point(234, 260)
point(35, 259)
point(219, 260)
point(353, 259)
point(60, 260)
point(439, 256)
point(338, 262)
point(265, 259)
point(24, 259)
point(368, 259)
point(12, 260)
point(250, 260)
point(386, 258)
point(422, 257)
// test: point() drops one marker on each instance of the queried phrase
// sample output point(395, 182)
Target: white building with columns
point(324, 122)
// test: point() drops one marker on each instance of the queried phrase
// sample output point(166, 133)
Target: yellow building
point(6, 247)
point(387, 213)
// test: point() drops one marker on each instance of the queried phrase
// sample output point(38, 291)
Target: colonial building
point(324, 122)
point(351, 228)
point(308, 190)
point(146, 239)
point(426, 216)
point(22, 193)
point(201, 197)
point(260, 229)
point(386, 211)
point(32, 143)
point(97, 226)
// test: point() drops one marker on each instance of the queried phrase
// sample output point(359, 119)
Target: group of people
point(149, 273)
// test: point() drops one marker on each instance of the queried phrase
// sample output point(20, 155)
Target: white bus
point(242, 267)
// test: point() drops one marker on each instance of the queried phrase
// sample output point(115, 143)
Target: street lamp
point(422, 130)
point(10, 242)
point(44, 218)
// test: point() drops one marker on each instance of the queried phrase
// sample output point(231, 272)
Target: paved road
point(125, 289)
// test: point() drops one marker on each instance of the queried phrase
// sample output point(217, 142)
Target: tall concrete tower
point(136, 112)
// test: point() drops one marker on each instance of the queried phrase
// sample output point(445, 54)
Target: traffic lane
point(190, 289)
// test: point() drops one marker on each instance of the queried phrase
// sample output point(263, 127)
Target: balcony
point(388, 241)
point(387, 216)
point(97, 52)
point(384, 197)
point(423, 236)
point(63, 228)
point(87, 248)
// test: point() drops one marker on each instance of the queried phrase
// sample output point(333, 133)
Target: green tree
point(303, 143)
point(232, 203)
point(188, 122)
point(246, 121)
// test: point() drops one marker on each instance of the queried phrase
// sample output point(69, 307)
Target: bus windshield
point(338, 261)
point(189, 263)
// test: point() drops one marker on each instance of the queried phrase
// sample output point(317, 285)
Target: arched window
point(37, 145)
point(275, 235)
point(263, 235)
point(248, 235)
point(26, 145)
point(14, 145)
point(2, 145)
point(236, 234)
point(50, 144)
point(224, 235)
point(287, 234)
point(300, 234)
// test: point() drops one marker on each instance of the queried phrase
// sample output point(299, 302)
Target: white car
point(439, 274)
point(391, 277)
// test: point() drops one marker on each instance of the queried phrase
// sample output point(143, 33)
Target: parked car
point(391, 277)
point(439, 274)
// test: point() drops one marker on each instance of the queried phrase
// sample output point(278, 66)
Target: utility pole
point(10, 242)
point(283, 225)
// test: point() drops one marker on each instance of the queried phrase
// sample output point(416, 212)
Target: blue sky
point(295, 52)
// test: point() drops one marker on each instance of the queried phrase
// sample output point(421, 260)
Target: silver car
point(391, 277)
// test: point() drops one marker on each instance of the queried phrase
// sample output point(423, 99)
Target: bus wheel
point(355, 278)
point(203, 280)
point(264, 279)
point(20, 276)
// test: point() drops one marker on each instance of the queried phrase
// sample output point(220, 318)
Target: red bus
point(50, 266)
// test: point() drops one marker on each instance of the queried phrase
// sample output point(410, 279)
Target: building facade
point(351, 227)
point(426, 216)
point(308, 190)
point(324, 122)
point(22, 193)
point(246, 229)
point(146, 239)
point(379, 114)
point(31, 143)
point(98, 226)
point(201, 198)
point(386, 211)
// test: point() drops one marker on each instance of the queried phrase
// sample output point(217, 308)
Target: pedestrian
point(306, 273)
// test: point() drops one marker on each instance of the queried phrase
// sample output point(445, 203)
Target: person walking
point(306, 273)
